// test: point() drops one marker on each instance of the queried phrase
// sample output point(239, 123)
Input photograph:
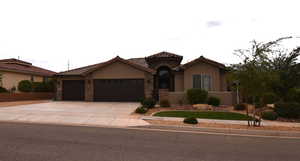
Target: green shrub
point(269, 98)
point(269, 115)
point(196, 96)
point(49, 86)
point(148, 102)
point(214, 101)
point(38, 87)
point(259, 105)
point(141, 110)
point(190, 120)
point(3, 90)
point(239, 107)
point(164, 103)
point(25, 86)
point(43, 86)
point(294, 95)
point(288, 109)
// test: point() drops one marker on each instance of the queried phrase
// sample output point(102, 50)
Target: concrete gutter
point(234, 122)
point(224, 131)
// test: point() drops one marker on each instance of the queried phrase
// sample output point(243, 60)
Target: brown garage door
point(124, 90)
point(73, 90)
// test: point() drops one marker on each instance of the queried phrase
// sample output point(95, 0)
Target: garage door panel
point(73, 90)
point(118, 89)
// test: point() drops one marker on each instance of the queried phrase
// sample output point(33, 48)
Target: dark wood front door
point(73, 90)
point(123, 90)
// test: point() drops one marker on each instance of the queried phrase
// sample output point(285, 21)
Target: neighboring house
point(160, 76)
point(12, 71)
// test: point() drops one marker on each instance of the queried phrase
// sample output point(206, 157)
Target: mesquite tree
point(265, 67)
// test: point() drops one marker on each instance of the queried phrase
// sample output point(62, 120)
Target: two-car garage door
point(118, 89)
point(105, 89)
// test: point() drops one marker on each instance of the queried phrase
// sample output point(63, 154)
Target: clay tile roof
point(165, 54)
point(77, 71)
point(85, 70)
point(203, 59)
point(15, 65)
point(140, 61)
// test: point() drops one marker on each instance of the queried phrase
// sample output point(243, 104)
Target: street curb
point(233, 122)
point(183, 129)
point(225, 131)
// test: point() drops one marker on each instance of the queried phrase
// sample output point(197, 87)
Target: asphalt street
point(33, 142)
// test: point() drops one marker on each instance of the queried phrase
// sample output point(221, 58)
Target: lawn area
point(203, 115)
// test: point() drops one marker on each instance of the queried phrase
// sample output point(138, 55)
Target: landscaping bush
point(294, 95)
point(190, 120)
point(288, 109)
point(164, 103)
point(197, 96)
point(269, 98)
point(259, 105)
point(269, 115)
point(240, 107)
point(3, 90)
point(141, 110)
point(49, 86)
point(214, 101)
point(38, 87)
point(148, 102)
point(25, 86)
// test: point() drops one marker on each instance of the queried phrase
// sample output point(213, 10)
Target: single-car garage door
point(73, 90)
point(124, 90)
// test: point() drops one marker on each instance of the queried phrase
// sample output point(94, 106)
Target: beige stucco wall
point(179, 82)
point(223, 82)
point(11, 79)
point(202, 68)
point(117, 70)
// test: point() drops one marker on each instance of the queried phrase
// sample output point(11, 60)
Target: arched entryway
point(164, 77)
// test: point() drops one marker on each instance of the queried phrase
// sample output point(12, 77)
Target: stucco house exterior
point(161, 76)
point(12, 71)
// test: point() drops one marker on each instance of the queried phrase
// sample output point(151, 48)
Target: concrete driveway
point(74, 113)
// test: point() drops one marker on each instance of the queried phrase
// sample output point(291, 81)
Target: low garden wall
point(25, 96)
point(227, 98)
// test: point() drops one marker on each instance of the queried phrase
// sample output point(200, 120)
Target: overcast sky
point(49, 33)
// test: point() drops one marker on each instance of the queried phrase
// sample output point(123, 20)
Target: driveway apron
point(74, 113)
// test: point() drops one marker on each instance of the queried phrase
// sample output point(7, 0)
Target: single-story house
point(158, 76)
point(12, 71)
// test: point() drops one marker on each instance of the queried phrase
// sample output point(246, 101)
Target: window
point(32, 78)
point(202, 81)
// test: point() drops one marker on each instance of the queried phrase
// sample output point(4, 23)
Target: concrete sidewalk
point(234, 122)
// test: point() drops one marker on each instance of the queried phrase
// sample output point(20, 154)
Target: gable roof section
point(205, 60)
point(88, 69)
point(18, 66)
point(165, 54)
